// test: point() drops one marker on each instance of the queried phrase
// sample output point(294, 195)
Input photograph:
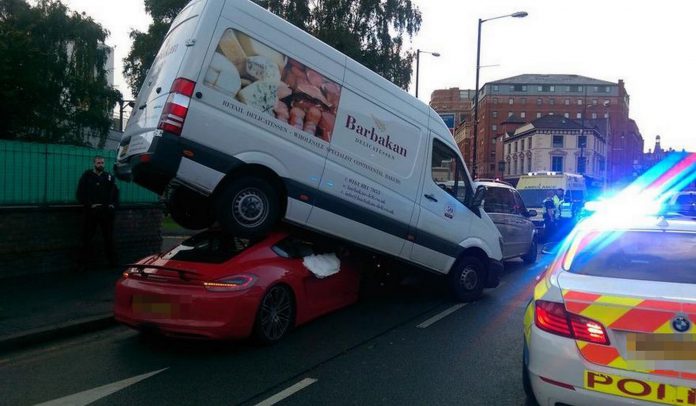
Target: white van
point(534, 186)
point(245, 119)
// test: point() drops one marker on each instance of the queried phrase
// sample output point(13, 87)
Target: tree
point(52, 70)
point(369, 31)
point(146, 44)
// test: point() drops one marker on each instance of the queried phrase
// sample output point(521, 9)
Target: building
point(559, 144)
point(533, 96)
point(454, 106)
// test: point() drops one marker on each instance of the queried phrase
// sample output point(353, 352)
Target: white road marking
point(441, 315)
point(92, 395)
point(287, 392)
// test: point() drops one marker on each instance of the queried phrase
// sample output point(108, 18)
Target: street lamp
point(418, 52)
point(518, 14)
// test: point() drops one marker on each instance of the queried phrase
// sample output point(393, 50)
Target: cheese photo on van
point(269, 81)
point(245, 120)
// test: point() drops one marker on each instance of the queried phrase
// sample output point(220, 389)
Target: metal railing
point(33, 174)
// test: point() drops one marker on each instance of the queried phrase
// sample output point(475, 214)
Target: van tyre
point(466, 279)
point(248, 207)
point(189, 209)
point(275, 316)
point(531, 256)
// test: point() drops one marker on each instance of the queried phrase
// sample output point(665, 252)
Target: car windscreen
point(660, 256)
point(533, 197)
point(209, 247)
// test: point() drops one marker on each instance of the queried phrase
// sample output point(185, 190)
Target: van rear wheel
point(466, 279)
point(248, 207)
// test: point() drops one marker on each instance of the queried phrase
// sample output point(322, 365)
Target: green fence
point(33, 174)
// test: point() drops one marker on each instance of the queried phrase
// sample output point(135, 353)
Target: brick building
point(580, 98)
point(454, 106)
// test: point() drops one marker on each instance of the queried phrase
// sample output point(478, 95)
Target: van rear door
point(153, 93)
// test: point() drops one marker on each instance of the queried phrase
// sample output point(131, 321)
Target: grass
point(169, 226)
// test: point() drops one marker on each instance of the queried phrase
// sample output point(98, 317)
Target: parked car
point(219, 287)
point(612, 319)
point(507, 210)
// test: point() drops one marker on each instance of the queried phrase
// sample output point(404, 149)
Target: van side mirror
point(531, 213)
point(480, 194)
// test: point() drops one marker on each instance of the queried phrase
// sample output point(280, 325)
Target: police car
point(612, 318)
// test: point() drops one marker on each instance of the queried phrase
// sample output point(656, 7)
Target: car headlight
point(231, 283)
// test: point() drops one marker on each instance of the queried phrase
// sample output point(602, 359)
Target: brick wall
point(39, 240)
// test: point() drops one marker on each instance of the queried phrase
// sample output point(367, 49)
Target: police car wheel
point(248, 207)
point(526, 382)
point(466, 279)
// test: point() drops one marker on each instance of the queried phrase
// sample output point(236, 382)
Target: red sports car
point(216, 286)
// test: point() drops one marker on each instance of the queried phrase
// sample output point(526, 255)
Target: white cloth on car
point(322, 265)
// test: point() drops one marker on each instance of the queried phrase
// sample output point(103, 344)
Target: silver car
point(506, 208)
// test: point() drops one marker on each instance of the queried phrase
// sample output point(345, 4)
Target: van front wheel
point(466, 279)
point(248, 207)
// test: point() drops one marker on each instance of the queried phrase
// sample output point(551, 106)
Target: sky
point(647, 44)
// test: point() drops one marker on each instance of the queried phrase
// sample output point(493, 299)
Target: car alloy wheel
point(275, 314)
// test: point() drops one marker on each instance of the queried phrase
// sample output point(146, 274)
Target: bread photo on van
point(265, 79)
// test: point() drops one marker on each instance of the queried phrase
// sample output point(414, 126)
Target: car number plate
point(152, 306)
point(677, 347)
point(640, 389)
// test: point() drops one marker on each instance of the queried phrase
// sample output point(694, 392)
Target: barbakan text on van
point(386, 142)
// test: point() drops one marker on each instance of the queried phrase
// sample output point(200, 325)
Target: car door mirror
point(480, 194)
point(531, 213)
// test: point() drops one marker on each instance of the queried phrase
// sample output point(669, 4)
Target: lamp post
point(418, 52)
point(518, 14)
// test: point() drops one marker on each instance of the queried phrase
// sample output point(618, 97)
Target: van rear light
point(176, 107)
point(552, 317)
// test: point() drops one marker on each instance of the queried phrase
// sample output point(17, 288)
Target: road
point(404, 343)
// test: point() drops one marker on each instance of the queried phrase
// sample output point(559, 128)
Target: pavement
point(39, 308)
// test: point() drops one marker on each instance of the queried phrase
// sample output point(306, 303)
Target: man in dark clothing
point(549, 216)
point(98, 194)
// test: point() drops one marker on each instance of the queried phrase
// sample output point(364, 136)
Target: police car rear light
point(176, 107)
point(553, 318)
